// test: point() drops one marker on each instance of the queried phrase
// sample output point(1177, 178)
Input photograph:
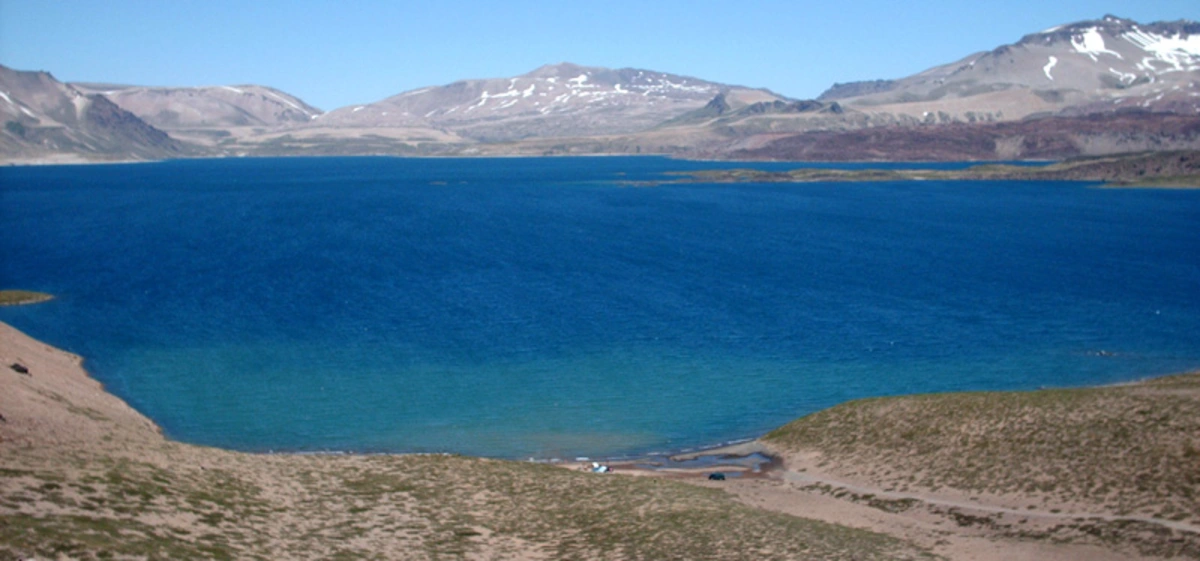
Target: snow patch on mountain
point(414, 92)
point(483, 99)
point(1049, 66)
point(285, 101)
point(1124, 77)
point(1091, 43)
point(1178, 52)
point(19, 107)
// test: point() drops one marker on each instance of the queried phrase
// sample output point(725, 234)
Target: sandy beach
point(83, 475)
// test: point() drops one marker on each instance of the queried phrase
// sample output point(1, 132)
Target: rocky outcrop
point(856, 89)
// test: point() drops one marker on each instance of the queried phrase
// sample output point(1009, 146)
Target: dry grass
point(1128, 450)
point(393, 507)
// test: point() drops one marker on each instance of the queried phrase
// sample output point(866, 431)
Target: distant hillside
point(206, 116)
point(561, 100)
point(207, 107)
point(45, 118)
point(1085, 67)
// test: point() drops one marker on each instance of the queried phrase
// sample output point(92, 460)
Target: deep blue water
point(541, 307)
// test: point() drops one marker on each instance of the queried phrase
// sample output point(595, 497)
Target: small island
point(23, 297)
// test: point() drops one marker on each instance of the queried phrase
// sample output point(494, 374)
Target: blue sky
point(333, 54)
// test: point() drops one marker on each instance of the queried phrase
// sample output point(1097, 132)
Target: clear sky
point(337, 53)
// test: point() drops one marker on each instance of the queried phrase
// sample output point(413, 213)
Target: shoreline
point(1167, 170)
point(740, 447)
point(70, 160)
point(734, 451)
point(64, 438)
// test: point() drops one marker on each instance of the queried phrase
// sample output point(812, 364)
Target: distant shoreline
point(1159, 170)
point(1145, 170)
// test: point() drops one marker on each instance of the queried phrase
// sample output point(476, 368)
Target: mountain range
point(1086, 88)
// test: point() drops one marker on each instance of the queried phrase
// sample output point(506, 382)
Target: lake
point(551, 307)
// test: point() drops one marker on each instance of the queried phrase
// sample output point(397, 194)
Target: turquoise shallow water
point(541, 307)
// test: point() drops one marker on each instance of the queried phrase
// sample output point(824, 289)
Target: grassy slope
point(1133, 450)
point(420, 507)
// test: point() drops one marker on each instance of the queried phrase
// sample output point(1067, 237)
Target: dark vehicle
point(716, 477)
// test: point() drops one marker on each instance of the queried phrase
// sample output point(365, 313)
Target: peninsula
point(22, 297)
